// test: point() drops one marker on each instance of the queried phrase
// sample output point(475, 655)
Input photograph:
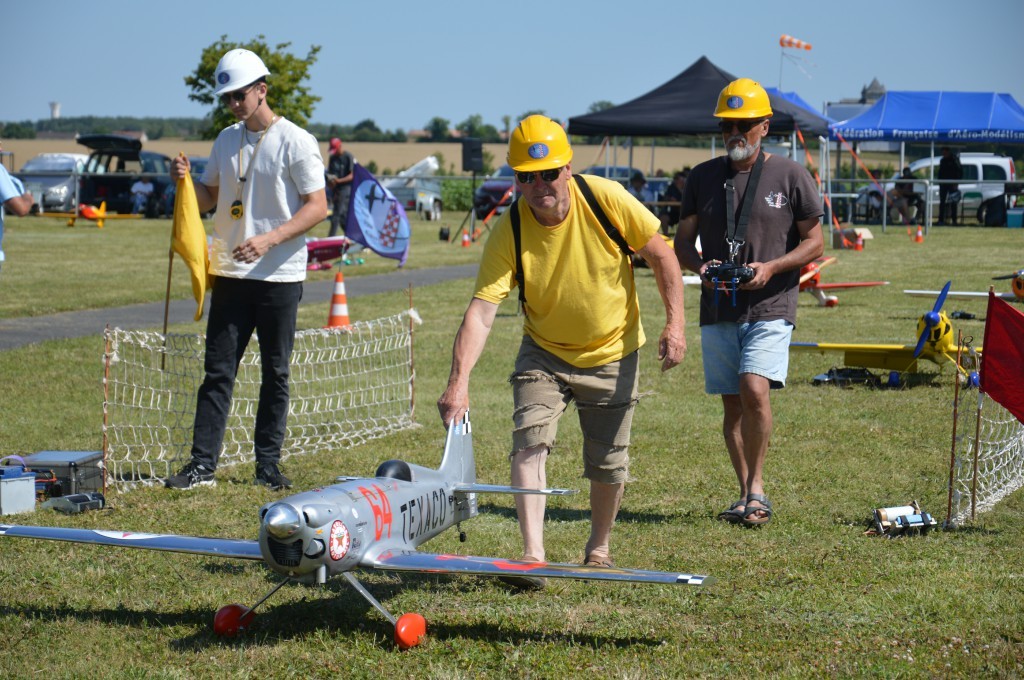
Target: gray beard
point(739, 154)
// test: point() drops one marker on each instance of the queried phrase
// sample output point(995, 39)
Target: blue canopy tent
point(947, 117)
point(930, 116)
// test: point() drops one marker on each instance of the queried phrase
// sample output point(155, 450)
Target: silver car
point(51, 179)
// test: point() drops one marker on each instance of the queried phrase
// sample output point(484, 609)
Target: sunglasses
point(237, 96)
point(744, 126)
point(546, 175)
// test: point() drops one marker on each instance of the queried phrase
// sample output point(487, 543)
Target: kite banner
point(790, 41)
point(188, 239)
point(1002, 364)
point(376, 218)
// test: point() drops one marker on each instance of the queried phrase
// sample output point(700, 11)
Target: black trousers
point(944, 191)
point(237, 308)
point(339, 209)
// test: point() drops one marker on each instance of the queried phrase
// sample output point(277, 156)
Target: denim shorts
point(729, 349)
point(543, 386)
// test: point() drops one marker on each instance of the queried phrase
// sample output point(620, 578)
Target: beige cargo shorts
point(543, 386)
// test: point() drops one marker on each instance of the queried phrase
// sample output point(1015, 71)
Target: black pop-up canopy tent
point(685, 106)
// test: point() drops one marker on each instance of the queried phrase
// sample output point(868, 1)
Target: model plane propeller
point(810, 281)
point(934, 343)
point(1016, 289)
point(374, 523)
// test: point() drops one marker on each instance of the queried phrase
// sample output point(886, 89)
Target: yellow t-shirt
point(581, 302)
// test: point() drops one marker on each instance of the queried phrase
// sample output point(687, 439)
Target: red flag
point(1002, 362)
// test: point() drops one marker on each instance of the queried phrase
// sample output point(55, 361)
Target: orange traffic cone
point(859, 245)
point(338, 316)
point(919, 237)
point(465, 239)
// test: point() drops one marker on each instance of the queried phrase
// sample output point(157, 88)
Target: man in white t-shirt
point(141, 192)
point(266, 178)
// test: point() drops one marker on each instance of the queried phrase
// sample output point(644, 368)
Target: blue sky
point(402, 63)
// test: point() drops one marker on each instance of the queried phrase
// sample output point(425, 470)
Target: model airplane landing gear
point(232, 619)
point(409, 628)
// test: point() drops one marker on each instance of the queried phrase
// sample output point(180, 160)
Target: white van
point(984, 178)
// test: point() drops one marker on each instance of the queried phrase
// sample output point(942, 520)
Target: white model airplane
point(1016, 288)
point(365, 523)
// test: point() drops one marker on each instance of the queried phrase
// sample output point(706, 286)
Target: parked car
point(50, 177)
point(493, 193)
point(114, 165)
point(984, 178)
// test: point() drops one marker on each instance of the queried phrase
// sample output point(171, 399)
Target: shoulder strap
point(518, 238)
point(613, 233)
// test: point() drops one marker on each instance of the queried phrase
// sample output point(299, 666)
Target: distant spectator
point(904, 198)
point(638, 187)
point(949, 168)
point(339, 180)
point(142, 191)
point(669, 214)
point(14, 198)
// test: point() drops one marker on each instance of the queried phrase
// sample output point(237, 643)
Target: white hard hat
point(238, 68)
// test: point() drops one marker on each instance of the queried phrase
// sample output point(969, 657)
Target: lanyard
point(243, 175)
point(739, 224)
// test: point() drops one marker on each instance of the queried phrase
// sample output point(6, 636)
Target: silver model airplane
point(365, 523)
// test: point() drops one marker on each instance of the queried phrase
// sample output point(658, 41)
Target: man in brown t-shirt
point(746, 327)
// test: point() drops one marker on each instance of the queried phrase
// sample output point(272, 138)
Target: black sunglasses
point(236, 96)
point(744, 126)
point(546, 175)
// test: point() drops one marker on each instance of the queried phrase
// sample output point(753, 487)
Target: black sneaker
point(191, 476)
point(270, 475)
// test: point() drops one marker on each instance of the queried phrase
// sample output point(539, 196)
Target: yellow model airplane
point(98, 215)
point(934, 343)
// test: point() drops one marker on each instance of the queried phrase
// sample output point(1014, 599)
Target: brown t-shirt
point(786, 194)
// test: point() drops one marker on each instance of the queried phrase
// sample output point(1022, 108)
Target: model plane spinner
point(934, 343)
point(374, 523)
point(1016, 293)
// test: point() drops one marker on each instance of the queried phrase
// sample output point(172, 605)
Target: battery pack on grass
point(17, 487)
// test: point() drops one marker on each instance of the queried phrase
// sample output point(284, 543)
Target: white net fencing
point(348, 385)
point(988, 457)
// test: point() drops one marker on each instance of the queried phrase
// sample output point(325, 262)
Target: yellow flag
point(189, 240)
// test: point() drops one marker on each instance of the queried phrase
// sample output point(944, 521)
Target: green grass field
point(808, 596)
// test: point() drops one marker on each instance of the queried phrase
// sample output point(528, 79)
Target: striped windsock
point(790, 41)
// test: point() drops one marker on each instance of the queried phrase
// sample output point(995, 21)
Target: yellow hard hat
point(538, 143)
point(743, 98)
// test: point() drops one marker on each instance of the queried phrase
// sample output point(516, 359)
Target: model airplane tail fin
point(458, 462)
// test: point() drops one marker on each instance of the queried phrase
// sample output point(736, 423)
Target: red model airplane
point(810, 281)
point(320, 251)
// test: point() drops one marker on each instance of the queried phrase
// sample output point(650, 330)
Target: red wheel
point(409, 630)
point(232, 619)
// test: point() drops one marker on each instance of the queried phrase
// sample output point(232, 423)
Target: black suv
point(115, 164)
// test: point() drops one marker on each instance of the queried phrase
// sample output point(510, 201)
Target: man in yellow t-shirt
point(582, 328)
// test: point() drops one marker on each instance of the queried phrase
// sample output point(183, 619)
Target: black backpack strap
point(517, 236)
point(613, 233)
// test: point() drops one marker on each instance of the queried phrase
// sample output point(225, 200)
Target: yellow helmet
point(743, 98)
point(538, 143)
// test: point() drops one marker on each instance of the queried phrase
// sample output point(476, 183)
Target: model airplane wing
point(214, 547)
point(854, 284)
point(410, 560)
point(960, 295)
point(497, 488)
point(888, 357)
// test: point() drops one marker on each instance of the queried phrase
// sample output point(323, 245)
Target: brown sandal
point(597, 561)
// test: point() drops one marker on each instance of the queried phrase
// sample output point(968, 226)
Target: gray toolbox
point(76, 471)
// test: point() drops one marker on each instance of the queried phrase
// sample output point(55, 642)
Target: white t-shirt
point(287, 165)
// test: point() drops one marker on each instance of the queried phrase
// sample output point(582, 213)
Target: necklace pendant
point(236, 210)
